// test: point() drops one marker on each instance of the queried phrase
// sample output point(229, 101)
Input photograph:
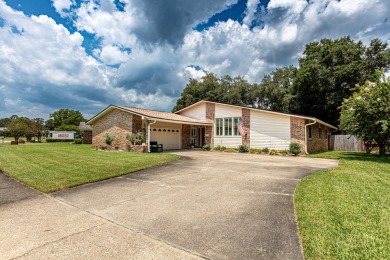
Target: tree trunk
point(382, 149)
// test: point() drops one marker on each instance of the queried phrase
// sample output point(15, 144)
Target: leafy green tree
point(367, 113)
point(229, 90)
point(4, 121)
point(330, 69)
point(274, 91)
point(68, 128)
point(38, 127)
point(18, 127)
point(66, 117)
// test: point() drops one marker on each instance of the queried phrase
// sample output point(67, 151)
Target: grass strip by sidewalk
point(57, 166)
point(344, 213)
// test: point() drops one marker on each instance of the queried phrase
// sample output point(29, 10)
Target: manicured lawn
point(344, 213)
point(57, 166)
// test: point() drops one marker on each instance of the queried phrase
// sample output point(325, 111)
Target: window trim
point(221, 124)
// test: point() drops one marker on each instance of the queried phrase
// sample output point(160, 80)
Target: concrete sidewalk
point(205, 205)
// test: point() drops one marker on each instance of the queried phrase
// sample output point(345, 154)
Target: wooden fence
point(345, 143)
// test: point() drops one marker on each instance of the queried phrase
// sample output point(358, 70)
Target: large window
point(227, 126)
point(218, 127)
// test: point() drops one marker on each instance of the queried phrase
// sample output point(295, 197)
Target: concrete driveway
point(205, 205)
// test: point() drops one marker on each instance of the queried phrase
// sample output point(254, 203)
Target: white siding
point(197, 112)
point(226, 111)
point(232, 142)
point(269, 130)
point(222, 111)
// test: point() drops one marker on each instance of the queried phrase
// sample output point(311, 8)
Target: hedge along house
point(213, 123)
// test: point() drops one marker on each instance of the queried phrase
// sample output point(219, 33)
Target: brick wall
point(245, 120)
point(186, 136)
point(118, 124)
point(209, 130)
point(297, 128)
point(316, 144)
point(87, 137)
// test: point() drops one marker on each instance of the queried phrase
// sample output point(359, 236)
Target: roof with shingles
point(154, 115)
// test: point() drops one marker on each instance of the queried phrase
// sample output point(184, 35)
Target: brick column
point(209, 130)
point(246, 119)
point(297, 129)
point(185, 137)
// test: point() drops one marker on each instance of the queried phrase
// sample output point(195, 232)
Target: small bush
point(103, 147)
point(223, 148)
point(217, 148)
point(231, 150)
point(109, 139)
point(78, 141)
point(273, 152)
point(206, 147)
point(243, 149)
point(265, 150)
point(295, 148)
point(255, 150)
point(117, 148)
point(136, 138)
point(285, 152)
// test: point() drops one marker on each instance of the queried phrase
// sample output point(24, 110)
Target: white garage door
point(170, 138)
point(269, 130)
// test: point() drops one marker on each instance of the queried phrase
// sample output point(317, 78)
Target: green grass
point(344, 213)
point(57, 166)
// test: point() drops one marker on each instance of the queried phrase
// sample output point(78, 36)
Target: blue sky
point(87, 54)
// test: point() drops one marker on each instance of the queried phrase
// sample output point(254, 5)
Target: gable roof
point(151, 114)
point(257, 109)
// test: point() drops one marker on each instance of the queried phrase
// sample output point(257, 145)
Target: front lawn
point(57, 166)
point(344, 213)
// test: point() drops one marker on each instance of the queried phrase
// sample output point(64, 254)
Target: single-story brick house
point(213, 123)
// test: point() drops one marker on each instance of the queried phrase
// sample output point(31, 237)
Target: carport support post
point(149, 124)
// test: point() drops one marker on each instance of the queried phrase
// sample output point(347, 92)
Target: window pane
point(218, 126)
point(228, 126)
point(235, 126)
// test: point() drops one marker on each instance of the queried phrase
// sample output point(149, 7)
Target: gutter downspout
point(315, 121)
point(149, 124)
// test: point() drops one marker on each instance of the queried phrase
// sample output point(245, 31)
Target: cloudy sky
point(85, 54)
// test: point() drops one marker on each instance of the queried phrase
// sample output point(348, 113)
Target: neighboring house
point(207, 122)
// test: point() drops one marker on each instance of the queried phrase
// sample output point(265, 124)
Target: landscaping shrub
point(273, 152)
point(117, 148)
point(265, 150)
point(295, 148)
point(136, 138)
point(223, 148)
point(78, 141)
point(109, 139)
point(243, 149)
point(231, 150)
point(285, 152)
point(103, 147)
point(217, 148)
point(51, 140)
point(206, 147)
point(255, 150)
